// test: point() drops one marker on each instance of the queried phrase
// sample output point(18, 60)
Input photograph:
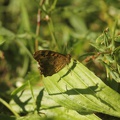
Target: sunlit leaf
point(77, 88)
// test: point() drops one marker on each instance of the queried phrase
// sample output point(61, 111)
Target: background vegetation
point(88, 30)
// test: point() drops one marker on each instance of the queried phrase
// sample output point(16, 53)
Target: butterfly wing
point(51, 62)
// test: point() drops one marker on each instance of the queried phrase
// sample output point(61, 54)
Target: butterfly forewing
point(51, 62)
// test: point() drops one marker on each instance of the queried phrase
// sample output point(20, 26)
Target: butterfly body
point(51, 62)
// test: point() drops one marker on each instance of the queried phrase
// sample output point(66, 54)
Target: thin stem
point(8, 106)
point(33, 97)
point(38, 24)
point(51, 29)
point(53, 5)
point(37, 30)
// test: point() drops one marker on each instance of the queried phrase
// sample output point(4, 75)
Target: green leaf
point(32, 77)
point(49, 109)
point(77, 88)
point(2, 40)
point(6, 34)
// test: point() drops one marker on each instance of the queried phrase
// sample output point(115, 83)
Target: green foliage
point(74, 27)
point(79, 89)
point(47, 107)
point(108, 54)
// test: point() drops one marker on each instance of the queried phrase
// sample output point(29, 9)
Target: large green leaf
point(77, 88)
point(48, 109)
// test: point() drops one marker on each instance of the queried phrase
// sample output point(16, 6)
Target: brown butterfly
point(51, 62)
